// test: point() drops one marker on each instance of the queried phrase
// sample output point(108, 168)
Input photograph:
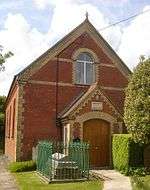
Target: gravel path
point(113, 180)
point(7, 181)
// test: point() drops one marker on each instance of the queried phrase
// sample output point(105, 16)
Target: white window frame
point(85, 70)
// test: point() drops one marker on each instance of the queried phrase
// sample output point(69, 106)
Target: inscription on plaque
point(97, 106)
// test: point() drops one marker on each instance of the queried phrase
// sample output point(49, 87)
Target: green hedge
point(22, 166)
point(127, 155)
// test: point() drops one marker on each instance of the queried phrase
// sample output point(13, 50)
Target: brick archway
point(96, 115)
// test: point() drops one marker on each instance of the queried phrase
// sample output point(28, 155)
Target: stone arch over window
point(85, 67)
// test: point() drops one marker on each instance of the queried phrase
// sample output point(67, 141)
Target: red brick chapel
point(74, 91)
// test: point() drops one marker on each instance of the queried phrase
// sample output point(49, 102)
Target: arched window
point(84, 70)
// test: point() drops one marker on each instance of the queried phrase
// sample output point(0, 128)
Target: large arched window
point(84, 70)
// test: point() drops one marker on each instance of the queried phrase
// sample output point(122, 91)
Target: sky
point(29, 27)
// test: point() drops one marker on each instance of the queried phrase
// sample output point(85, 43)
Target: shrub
point(127, 155)
point(22, 166)
point(140, 183)
point(137, 171)
point(137, 101)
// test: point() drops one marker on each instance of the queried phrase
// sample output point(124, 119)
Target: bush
point(22, 166)
point(127, 155)
point(137, 101)
point(137, 171)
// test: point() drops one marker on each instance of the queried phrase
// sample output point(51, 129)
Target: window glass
point(80, 72)
point(88, 57)
point(84, 69)
point(85, 57)
point(89, 73)
point(14, 115)
point(81, 57)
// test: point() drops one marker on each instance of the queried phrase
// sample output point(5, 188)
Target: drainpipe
point(57, 120)
point(57, 79)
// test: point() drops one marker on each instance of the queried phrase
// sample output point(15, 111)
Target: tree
point(2, 110)
point(4, 57)
point(137, 103)
point(2, 120)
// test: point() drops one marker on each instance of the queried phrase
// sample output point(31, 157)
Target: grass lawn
point(30, 181)
point(141, 183)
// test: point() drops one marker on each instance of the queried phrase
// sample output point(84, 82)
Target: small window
point(14, 115)
point(7, 124)
point(9, 127)
point(84, 69)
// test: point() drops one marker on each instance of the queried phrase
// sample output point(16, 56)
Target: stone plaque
point(97, 106)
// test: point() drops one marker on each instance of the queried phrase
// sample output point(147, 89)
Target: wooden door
point(97, 133)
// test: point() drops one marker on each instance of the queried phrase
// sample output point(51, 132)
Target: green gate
point(58, 161)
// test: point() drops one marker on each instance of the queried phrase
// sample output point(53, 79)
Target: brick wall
point(85, 41)
point(11, 125)
point(40, 94)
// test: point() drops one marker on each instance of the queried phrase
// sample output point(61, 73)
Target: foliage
point(1, 147)
point(22, 166)
point(127, 155)
point(2, 110)
point(2, 103)
point(120, 152)
point(138, 171)
point(2, 118)
point(31, 181)
point(4, 57)
point(137, 103)
point(140, 183)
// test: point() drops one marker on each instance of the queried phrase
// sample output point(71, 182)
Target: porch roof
point(82, 97)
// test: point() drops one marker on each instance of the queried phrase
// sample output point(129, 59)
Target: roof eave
point(14, 82)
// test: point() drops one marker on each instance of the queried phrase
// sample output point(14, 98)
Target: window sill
point(78, 84)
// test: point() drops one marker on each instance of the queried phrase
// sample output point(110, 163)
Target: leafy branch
point(4, 57)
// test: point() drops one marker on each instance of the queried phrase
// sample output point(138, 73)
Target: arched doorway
point(97, 133)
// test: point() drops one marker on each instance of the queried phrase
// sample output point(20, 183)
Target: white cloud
point(136, 39)
point(41, 4)
point(64, 21)
point(25, 42)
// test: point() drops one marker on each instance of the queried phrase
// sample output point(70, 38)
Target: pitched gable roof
point(85, 97)
point(54, 51)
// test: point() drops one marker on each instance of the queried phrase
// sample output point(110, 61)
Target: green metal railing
point(79, 152)
point(59, 161)
point(44, 159)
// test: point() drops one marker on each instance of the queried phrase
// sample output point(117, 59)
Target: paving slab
point(7, 181)
point(113, 180)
